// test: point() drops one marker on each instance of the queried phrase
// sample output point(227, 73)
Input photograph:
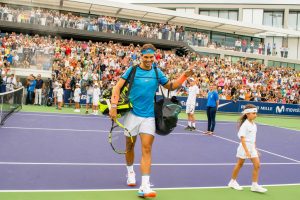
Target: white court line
point(137, 164)
point(64, 116)
point(280, 127)
point(79, 130)
point(257, 148)
point(205, 122)
point(54, 129)
point(134, 189)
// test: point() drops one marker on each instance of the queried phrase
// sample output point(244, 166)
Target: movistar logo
point(279, 109)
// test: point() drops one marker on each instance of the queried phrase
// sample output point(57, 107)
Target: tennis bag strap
point(130, 80)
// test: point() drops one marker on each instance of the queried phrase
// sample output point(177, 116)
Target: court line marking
point(99, 116)
point(107, 118)
point(134, 189)
point(137, 164)
point(233, 141)
point(65, 115)
point(80, 130)
point(291, 129)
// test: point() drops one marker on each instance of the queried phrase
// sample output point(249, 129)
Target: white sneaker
point(258, 188)
point(146, 191)
point(131, 179)
point(234, 185)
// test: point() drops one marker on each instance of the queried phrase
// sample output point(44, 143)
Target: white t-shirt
point(248, 130)
point(77, 92)
point(96, 92)
point(60, 92)
point(193, 91)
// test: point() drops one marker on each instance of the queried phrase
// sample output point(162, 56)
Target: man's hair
point(148, 46)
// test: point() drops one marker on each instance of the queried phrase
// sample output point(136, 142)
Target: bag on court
point(124, 104)
point(166, 113)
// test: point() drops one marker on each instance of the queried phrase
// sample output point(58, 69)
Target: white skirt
point(241, 151)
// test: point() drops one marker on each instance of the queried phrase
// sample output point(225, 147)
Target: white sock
point(145, 180)
point(232, 180)
point(254, 184)
point(130, 168)
point(194, 124)
point(190, 124)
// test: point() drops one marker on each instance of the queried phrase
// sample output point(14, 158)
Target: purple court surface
point(41, 151)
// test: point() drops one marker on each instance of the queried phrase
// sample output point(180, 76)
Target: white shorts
point(77, 99)
point(190, 108)
point(89, 98)
point(95, 101)
point(251, 148)
point(59, 98)
point(137, 125)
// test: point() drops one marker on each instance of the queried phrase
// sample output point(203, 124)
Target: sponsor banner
point(238, 106)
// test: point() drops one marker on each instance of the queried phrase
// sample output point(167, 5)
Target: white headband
point(250, 110)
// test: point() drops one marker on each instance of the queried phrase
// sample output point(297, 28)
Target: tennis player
point(191, 104)
point(140, 120)
point(247, 149)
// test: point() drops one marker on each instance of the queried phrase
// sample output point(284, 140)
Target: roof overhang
point(152, 14)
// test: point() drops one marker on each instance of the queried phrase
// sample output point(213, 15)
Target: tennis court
point(69, 155)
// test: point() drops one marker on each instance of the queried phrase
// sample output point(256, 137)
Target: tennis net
point(10, 102)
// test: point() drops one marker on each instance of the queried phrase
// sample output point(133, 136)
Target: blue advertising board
point(238, 106)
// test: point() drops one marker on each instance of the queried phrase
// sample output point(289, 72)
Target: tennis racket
point(119, 137)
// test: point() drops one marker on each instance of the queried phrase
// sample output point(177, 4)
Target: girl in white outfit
point(247, 149)
point(96, 96)
point(77, 94)
point(60, 94)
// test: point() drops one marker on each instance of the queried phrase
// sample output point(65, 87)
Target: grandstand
point(250, 50)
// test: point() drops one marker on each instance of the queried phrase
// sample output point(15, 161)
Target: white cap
point(191, 79)
point(96, 84)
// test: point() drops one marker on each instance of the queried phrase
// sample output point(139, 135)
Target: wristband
point(114, 105)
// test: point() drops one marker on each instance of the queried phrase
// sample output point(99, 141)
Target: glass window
point(298, 22)
point(270, 63)
point(297, 67)
point(204, 12)
point(278, 19)
point(292, 24)
point(223, 14)
point(291, 65)
point(214, 13)
point(268, 18)
point(218, 38)
point(276, 64)
point(284, 64)
point(233, 15)
point(230, 41)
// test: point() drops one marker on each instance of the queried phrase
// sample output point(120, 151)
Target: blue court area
point(41, 151)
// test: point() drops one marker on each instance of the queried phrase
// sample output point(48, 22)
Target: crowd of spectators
point(87, 63)
point(64, 19)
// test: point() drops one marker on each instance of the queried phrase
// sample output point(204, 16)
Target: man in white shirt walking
point(191, 104)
